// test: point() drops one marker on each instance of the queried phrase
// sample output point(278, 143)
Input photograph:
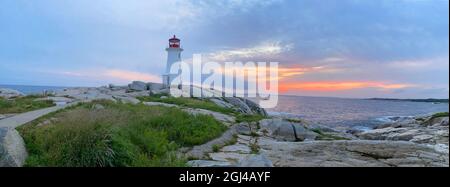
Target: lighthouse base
point(167, 80)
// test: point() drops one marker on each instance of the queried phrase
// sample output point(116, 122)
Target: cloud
point(264, 49)
point(332, 59)
point(69, 73)
point(421, 64)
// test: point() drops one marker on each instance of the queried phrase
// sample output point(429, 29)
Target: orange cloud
point(283, 72)
point(290, 72)
point(338, 86)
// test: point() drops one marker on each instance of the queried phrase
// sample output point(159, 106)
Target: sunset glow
point(337, 86)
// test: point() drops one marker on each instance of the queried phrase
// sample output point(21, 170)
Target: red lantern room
point(174, 42)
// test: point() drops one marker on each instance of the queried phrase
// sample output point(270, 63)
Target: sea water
point(360, 114)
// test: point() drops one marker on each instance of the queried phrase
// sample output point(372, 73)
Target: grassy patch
point(248, 118)
point(188, 102)
point(440, 114)
point(254, 147)
point(22, 104)
point(216, 148)
point(429, 121)
point(326, 136)
point(330, 137)
point(118, 135)
point(318, 131)
point(159, 95)
point(254, 134)
point(233, 140)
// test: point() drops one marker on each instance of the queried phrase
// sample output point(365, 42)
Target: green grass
point(254, 134)
point(188, 102)
point(425, 121)
point(118, 135)
point(233, 140)
point(326, 136)
point(22, 104)
point(254, 148)
point(216, 148)
point(440, 114)
point(318, 131)
point(248, 118)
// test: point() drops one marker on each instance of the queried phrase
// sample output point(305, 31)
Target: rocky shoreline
point(280, 145)
point(270, 142)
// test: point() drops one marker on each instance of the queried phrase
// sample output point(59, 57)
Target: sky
point(337, 48)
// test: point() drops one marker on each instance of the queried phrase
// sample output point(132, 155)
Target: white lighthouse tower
point(173, 55)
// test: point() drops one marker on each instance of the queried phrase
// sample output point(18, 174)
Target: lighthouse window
point(179, 55)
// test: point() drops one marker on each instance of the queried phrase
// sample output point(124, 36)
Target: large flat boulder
point(155, 86)
point(86, 93)
point(221, 103)
point(130, 100)
point(255, 108)
point(352, 153)
point(138, 86)
point(432, 131)
point(239, 104)
point(255, 161)
point(9, 93)
point(283, 130)
point(12, 148)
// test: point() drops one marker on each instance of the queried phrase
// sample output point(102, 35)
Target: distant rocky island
point(430, 100)
point(140, 125)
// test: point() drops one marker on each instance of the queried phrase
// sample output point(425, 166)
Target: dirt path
point(20, 119)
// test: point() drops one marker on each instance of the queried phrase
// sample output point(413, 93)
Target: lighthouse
point(173, 55)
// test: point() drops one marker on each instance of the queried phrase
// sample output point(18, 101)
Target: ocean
point(351, 113)
point(334, 112)
point(32, 89)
